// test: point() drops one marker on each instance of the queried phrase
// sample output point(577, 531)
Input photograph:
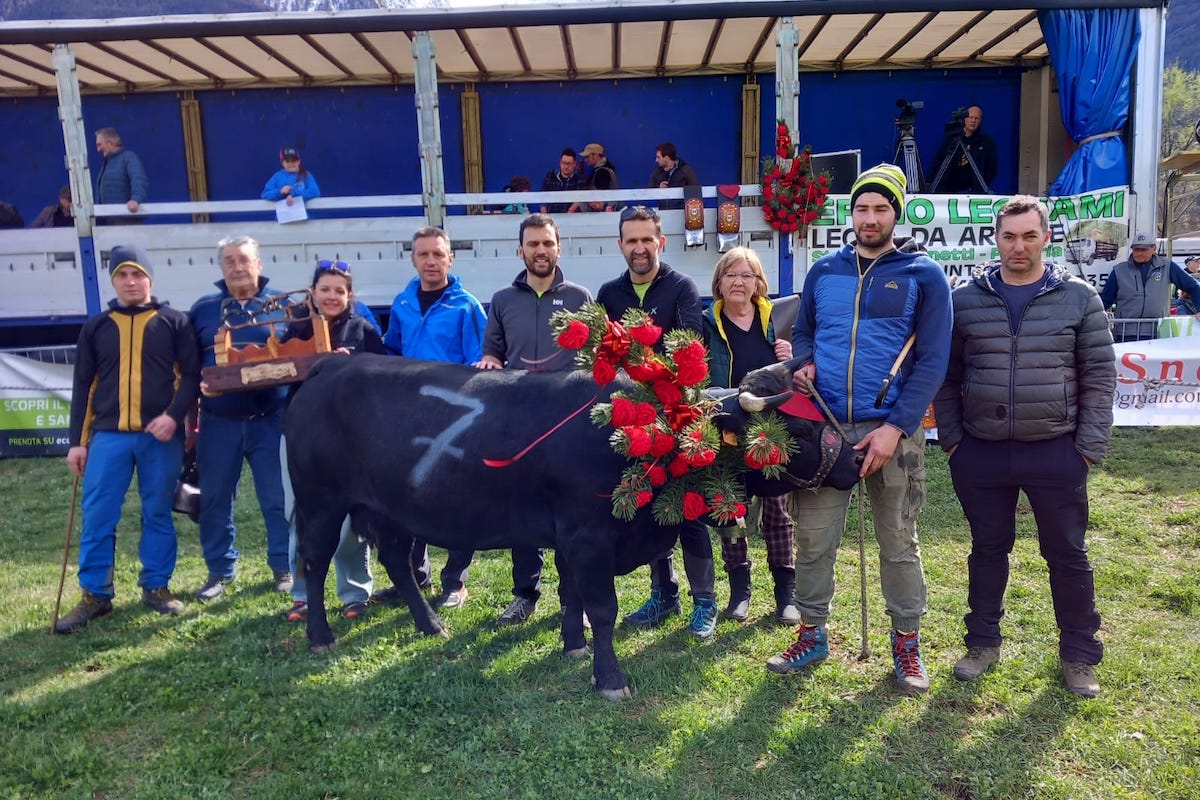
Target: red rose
point(622, 412)
point(694, 506)
point(603, 372)
point(644, 414)
point(646, 372)
point(667, 392)
point(575, 335)
point(657, 476)
point(822, 180)
point(663, 443)
point(703, 458)
point(679, 467)
point(781, 129)
point(752, 462)
point(643, 498)
point(646, 334)
point(639, 441)
point(691, 374)
point(692, 352)
point(739, 510)
point(775, 456)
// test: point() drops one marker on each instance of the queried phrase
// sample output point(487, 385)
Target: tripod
point(959, 147)
point(909, 160)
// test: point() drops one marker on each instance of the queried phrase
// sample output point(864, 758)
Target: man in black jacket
point(672, 301)
point(1034, 424)
point(567, 178)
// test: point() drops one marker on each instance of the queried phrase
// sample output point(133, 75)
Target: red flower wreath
point(792, 196)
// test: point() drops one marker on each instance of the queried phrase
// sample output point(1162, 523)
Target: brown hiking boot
point(1080, 678)
point(88, 608)
point(161, 600)
point(977, 661)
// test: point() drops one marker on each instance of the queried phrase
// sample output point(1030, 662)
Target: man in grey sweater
point(1027, 406)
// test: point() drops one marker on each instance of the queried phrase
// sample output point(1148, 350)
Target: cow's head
point(822, 457)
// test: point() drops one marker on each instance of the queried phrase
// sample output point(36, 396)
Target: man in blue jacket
point(858, 309)
point(436, 319)
point(1140, 288)
point(122, 177)
point(238, 426)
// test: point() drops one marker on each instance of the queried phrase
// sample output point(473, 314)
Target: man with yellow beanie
point(137, 372)
point(860, 308)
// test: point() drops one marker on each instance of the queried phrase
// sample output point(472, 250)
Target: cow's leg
point(394, 549)
point(574, 643)
point(594, 571)
point(317, 534)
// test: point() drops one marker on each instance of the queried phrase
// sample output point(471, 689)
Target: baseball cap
point(1190, 259)
point(1143, 239)
point(289, 153)
point(592, 149)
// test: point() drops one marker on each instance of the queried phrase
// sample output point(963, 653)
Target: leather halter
point(831, 444)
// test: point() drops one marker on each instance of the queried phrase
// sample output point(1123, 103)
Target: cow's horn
point(792, 364)
point(752, 402)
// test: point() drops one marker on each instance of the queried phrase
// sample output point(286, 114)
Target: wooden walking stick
point(62, 578)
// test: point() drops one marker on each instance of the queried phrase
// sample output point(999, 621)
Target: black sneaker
point(519, 610)
point(88, 608)
point(161, 600)
point(283, 580)
point(213, 588)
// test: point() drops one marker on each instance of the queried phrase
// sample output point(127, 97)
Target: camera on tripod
point(907, 157)
point(957, 117)
point(907, 117)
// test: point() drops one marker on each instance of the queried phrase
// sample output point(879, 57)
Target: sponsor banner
point(1158, 382)
point(1089, 233)
point(35, 407)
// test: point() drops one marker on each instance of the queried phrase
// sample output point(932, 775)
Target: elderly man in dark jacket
point(1027, 406)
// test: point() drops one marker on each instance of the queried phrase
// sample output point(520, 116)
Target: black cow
point(443, 452)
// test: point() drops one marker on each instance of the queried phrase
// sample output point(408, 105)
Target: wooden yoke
point(256, 366)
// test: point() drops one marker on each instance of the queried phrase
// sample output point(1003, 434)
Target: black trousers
point(987, 478)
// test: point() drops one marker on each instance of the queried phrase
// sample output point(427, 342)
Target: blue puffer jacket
point(451, 330)
point(122, 178)
point(856, 314)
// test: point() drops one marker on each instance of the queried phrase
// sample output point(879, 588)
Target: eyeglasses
point(748, 277)
point(337, 266)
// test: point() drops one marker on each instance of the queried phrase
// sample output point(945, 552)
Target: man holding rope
point(876, 303)
point(137, 372)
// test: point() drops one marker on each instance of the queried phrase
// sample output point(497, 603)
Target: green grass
point(225, 701)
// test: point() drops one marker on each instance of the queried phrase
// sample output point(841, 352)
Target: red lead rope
point(508, 462)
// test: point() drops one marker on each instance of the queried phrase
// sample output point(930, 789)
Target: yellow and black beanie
point(131, 255)
point(887, 179)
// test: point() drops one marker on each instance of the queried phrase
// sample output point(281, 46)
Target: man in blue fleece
point(436, 319)
point(859, 307)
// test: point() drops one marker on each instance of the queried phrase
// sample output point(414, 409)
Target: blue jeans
point(224, 442)
point(112, 457)
point(351, 560)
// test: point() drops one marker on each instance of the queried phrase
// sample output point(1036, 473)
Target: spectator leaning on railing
point(1140, 288)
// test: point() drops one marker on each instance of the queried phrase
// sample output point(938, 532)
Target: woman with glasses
point(741, 337)
point(292, 179)
point(333, 299)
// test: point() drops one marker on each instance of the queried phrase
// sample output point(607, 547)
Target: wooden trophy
point(274, 363)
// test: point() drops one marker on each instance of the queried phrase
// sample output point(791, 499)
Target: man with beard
point(672, 301)
point(518, 336)
point(859, 308)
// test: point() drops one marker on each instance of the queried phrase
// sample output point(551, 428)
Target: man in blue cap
point(1140, 288)
point(137, 372)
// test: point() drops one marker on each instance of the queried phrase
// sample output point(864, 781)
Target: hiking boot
point(454, 599)
point(911, 677)
point(161, 600)
point(355, 609)
point(739, 594)
point(283, 580)
point(298, 612)
point(213, 588)
point(519, 610)
point(653, 611)
point(811, 647)
point(977, 661)
point(704, 618)
point(1080, 678)
point(88, 608)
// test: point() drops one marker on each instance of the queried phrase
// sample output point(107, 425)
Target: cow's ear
point(727, 423)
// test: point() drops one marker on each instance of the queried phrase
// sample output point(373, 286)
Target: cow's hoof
point(321, 649)
point(577, 653)
point(624, 693)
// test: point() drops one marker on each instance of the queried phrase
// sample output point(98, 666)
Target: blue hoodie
point(451, 330)
point(853, 327)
